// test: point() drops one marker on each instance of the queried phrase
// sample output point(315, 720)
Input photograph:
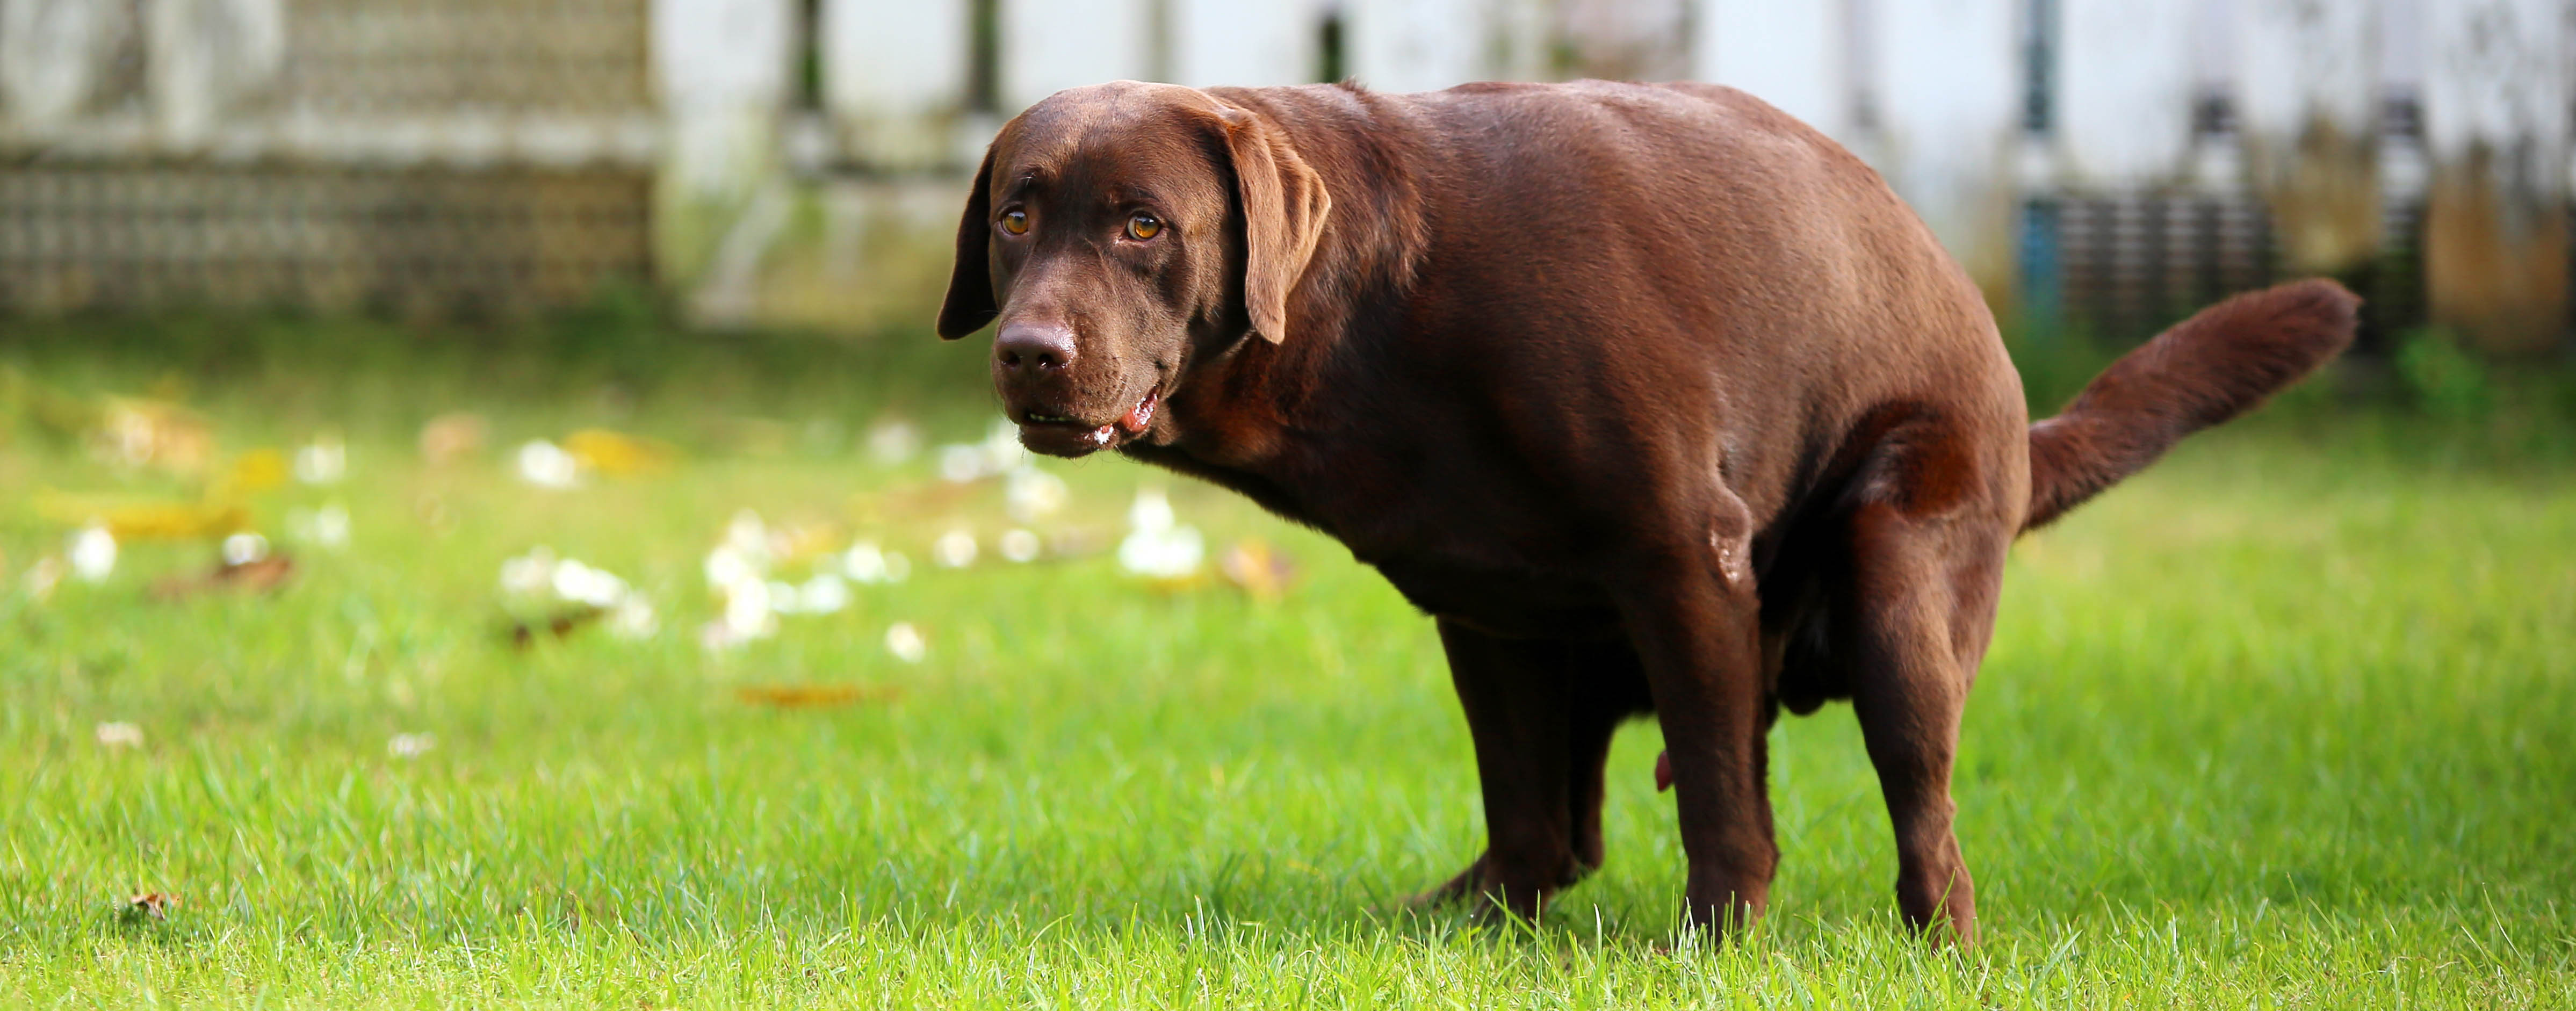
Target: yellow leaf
point(620, 454)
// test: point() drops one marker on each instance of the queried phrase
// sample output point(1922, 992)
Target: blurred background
point(2100, 165)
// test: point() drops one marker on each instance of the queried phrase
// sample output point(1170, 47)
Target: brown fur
point(1656, 399)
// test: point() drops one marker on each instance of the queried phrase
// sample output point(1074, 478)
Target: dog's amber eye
point(1015, 222)
point(1144, 226)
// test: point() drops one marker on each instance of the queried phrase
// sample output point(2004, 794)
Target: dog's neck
point(1246, 408)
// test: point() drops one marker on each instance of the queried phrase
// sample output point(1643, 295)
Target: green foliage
point(2281, 723)
point(2441, 378)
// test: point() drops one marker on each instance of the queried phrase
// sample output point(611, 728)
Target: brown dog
point(1655, 398)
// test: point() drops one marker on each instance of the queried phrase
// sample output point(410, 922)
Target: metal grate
point(432, 240)
point(560, 57)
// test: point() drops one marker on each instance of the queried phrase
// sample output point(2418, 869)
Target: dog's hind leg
point(1919, 608)
point(1542, 714)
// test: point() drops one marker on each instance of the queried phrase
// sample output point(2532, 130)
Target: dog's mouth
point(1065, 435)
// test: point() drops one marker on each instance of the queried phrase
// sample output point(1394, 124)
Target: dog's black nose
point(1032, 349)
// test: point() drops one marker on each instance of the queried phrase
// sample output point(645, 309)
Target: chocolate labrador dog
point(1654, 398)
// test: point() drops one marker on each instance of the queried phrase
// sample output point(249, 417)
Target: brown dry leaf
point(811, 696)
point(1258, 569)
point(151, 905)
point(265, 575)
point(561, 624)
point(451, 437)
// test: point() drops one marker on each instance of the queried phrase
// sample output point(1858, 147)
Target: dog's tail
point(2207, 369)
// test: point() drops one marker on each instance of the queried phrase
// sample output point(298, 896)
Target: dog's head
point(1119, 233)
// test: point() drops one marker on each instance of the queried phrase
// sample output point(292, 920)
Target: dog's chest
point(1511, 603)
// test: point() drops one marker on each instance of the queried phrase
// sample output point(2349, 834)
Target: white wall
point(1788, 54)
point(1945, 81)
point(2125, 78)
point(894, 57)
point(2497, 73)
point(894, 71)
point(2301, 61)
point(1416, 45)
point(1247, 43)
point(720, 71)
point(1051, 45)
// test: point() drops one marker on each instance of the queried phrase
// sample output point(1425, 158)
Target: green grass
point(2288, 722)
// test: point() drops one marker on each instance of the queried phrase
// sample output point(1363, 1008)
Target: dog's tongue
point(1136, 420)
point(1663, 771)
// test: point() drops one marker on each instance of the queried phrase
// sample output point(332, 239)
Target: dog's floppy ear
point(1284, 206)
point(970, 282)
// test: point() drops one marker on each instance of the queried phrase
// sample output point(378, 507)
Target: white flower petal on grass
point(323, 461)
point(244, 548)
point(954, 549)
point(906, 643)
point(547, 465)
point(92, 553)
point(410, 745)
point(826, 593)
point(725, 566)
point(1019, 545)
point(747, 534)
point(1157, 546)
point(960, 462)
point(43, 576)
point(581, 584)
point(119, 735)
point(1032, 494)
point(633, 618)
point(1002, 449)
point(748, 611)
point(529, 574)
point(1152, 511)
point(330, 527)
point(864, 563)
point(893, 442)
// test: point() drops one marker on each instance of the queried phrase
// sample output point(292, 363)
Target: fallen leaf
point(1258, 569)
point(262, 575)
point(449, 438)
point(255, 471)
point(144, 521)
point(618, 454)
point(523, 634)
point(149, 905)
point(811, 696)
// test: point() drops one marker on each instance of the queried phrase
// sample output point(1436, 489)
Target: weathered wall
point(2496, 114)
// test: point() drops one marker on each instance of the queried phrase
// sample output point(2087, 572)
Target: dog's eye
point(1015, 222)
point(1144, 226)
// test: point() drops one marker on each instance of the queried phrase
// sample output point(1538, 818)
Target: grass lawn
point(2290, 721)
